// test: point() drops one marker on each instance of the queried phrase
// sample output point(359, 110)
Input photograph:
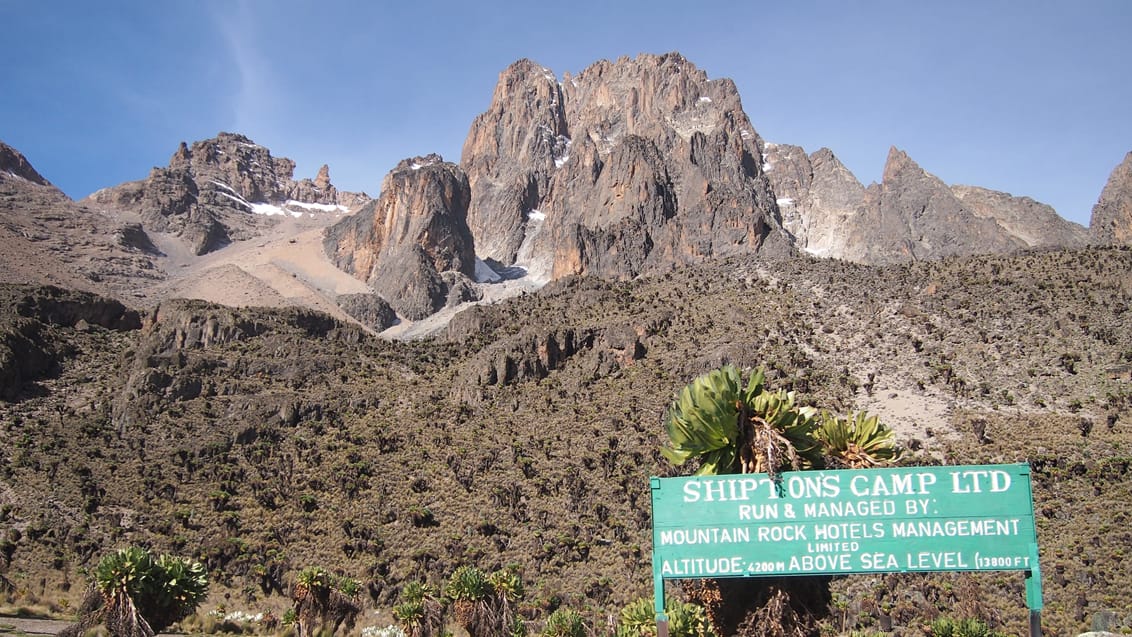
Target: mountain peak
point(897, 164)
point(631, 166)
point(214, 191)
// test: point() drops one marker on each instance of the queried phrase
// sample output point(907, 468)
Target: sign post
point(909, 519)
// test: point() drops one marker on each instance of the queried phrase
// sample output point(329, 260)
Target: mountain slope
point(49, 239)
point(263, 441)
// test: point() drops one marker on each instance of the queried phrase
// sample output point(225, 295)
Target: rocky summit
point(644, 163)
point(214, 192)
point(629, 167)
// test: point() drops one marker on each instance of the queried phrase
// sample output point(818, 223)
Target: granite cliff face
point(1111, 223)
point(412, 245)
point(221, 190)
point(630, 167)
point(643, 164)
point(817, 197)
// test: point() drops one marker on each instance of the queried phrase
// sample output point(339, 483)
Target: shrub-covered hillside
point(264, 441)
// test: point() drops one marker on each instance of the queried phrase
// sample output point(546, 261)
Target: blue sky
point(1025, 96)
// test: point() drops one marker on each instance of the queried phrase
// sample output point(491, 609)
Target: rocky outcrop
point(221, 190)
point(23, 356)
point(185, 324)
point(28, 351)
point(630, 167)
point(913, 215)
point(368, 309)
point(69, 308)
point(412, 245)
point(323, 193)
point(1111, 223)
point(532, 355)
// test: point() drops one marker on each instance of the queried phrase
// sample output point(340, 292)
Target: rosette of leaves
point(420, 613)
point(948, 627)
point(638, 619)
point(858, 442)
point(507, 591)
point(137, 595)
point(180, 586)
point(565, 622)
point(471, 592)
point(733, 428)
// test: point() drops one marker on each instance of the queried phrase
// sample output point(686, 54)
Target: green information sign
point(953, 518)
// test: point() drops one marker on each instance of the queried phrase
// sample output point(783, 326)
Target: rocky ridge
point(630, 167)
point(14, 165)
point(644, 163)
point(221, 190)
point(910, 215)
point(49, 239)
point(1036, 224)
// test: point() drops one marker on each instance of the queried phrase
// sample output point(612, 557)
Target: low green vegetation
point(135, 594)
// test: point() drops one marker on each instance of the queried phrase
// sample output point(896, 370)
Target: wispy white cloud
point(254, 101)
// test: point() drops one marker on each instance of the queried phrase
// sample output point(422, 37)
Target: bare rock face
point(323, 193)
point(630, 167)
point(368, 309)
point(1111, 223)
point(412, 245)
point(817, 197)
point(509, 156)
point(27, 353)
point(1035, 223)
point(211, 192)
